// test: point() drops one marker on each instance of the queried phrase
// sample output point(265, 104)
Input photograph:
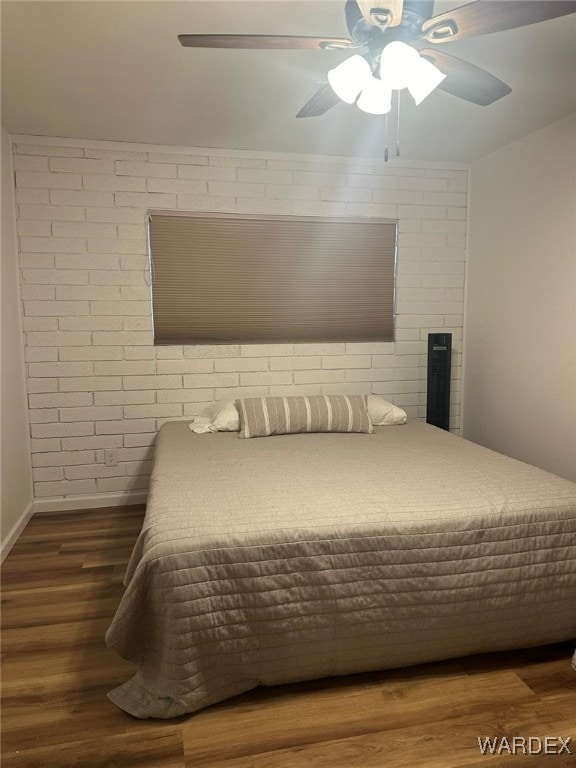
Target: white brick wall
point(96, 381)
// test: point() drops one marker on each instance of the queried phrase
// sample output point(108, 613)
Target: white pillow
point(221, 416)
point(382, 413)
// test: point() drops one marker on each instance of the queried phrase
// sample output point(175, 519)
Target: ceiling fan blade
point(323, 100)
point(466, 80)
point(382, 13)
point(485, 17)
point(285, 42)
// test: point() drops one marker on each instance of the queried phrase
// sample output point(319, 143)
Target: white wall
point(96, 381)
point(520, 340)
point(16, 476)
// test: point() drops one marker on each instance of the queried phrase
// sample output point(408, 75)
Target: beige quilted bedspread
point(288, 558)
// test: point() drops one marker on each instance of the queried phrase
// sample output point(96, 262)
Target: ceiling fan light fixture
point(349, 78)
point(376, 97)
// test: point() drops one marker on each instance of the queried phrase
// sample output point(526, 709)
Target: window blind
point(231, 278)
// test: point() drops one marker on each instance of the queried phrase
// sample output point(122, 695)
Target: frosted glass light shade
point(427, 79)
point(399, 64)
point(376, 97)
point(349, 78)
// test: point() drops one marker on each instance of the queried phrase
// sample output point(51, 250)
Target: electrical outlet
point(110, 457)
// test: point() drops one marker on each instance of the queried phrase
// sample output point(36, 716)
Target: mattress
point(296, 557)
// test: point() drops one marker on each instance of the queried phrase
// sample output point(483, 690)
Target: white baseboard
point(74, 503)
point(15, 532)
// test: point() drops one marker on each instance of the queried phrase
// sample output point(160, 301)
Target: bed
point(295, 557)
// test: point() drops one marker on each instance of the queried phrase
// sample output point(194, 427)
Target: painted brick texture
point(95, 379)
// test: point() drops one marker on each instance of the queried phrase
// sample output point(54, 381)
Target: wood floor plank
point(157, 749)
point(17, 616)
point(39, 638)
point(60, 579)
point(53, 718)
point(550, 678)
point(123, 541)
point(44, 562)
point(100, 559)
point(88, 590)
point(61, 585)
point(446, 744)
point(62, 670)
point(523, 761)
point(398, 704)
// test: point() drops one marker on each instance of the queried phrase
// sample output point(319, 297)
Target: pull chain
point(386, 138)
point(398, 125)
point(396, 105)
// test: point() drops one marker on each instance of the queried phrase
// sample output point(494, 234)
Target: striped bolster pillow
point(264, 416)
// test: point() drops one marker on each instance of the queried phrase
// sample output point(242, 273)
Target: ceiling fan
point(373, 24)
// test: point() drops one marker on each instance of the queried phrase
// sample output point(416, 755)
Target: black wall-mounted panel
point(439, 366)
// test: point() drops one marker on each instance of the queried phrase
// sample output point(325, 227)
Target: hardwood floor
point(61, 584)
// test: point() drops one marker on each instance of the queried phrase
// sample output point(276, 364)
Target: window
point(231, 278)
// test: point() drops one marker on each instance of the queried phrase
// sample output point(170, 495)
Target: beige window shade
point(225, 278)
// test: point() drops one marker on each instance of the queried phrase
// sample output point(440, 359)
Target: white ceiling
point(115, 70)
